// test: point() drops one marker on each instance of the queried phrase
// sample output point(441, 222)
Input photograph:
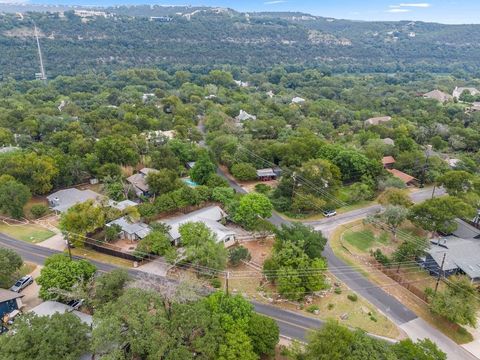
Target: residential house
point(7, 149)
point(459, 252)
point(131, 231)
point(438, 95)
point(9, 301)
point(474, 107)
point(298, 100)
point(244, 116)
point(388, 162)
point(459, 91)
point(139, 181)
point(190, 165)
point(62, 200)
point(377, 120)
point(121, 205)
point(211, 216)
point(407, 179)
point(266, 174)
point(388, 141)
point(159, 136)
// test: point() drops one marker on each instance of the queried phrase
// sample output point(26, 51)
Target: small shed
point(266, 174)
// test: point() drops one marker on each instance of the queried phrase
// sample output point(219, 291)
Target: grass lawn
point(352, 256)
point(104, 258)
point(364, 240)
point(29, 233)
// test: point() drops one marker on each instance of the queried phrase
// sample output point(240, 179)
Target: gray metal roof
point(209, 216)
point(266, 172)
point(122, 205)
point(465, 230)
point(463, 254)
point(49, 308)
point(139, 229)
point(7, 295)
point(63, 200)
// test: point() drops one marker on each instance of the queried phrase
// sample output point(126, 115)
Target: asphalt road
point(291, 325)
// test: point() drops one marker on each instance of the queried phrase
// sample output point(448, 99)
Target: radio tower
point(41, 75)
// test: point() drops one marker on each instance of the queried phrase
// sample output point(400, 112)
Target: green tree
point(236, 345)
point(109, 171)
point(313, 242)
point(395, 197)
point(252, 207)
point(237, 254)
point(13, 196)
point(439, 214)
point(336, 342)
point(110, 286)
point(163, 181)
point(223, 195)
point(10, 263)
point(457, 182)
point(202, 170)
point(202, 246)
point(61, 273)
point(322, 173)
point(422, 350)
point(60, 336)
point(244, 171)
point(117, 150)
point(264, 333)
point(137, 320)
point(82, 219)
point(35, 171)
point(458, 302)
point(394, 216)
point(156, 243)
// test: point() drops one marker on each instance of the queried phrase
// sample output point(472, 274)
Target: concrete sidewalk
point(419, 329)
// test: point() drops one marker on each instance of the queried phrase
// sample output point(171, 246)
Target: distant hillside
point(208, 37)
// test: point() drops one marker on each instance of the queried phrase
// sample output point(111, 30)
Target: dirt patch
point(260, 250)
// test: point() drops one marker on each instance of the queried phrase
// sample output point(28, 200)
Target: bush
point(262, 188)
point(312, 308)
point(352, 297)
point(216, 283)
point(39, 210)
point(330, 306)
point(244, 171)
point(237, 254)
point(337, 291)
point(381, 257)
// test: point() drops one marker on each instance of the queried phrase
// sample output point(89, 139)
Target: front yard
point(353, 242)
point(29, 233)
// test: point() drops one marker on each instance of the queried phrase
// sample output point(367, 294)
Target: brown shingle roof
point(387, 160)
point(401, 175)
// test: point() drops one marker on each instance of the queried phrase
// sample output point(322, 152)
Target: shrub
point(330, 306)
point(381, 257)
point(337, 291)
point(216, 283)
point(262, 188)
point(38, 210)
point(312, 308)
point(237, 254)
point(244, 171)
point(352, 297)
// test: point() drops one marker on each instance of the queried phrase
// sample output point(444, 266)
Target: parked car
point(329, 213)
point(75, 304)
point(22, 283)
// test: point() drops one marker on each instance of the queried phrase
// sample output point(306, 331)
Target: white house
point(298, 100)
point(62, 200)
point(210, 216)
point(131, 231)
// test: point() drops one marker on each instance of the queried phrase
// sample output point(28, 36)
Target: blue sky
point(445, 11)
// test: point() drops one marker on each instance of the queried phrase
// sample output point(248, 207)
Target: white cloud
point(415, 5)
point(14, 1)
point(398, 10)
point(274, 2)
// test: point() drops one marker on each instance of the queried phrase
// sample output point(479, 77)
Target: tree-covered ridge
point(211, 38)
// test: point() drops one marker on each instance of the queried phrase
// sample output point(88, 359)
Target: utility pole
point(434, 188)
point(42, 75)
point(294, 177)
point(440, 272)
point(227, 276)
point(68, 246)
